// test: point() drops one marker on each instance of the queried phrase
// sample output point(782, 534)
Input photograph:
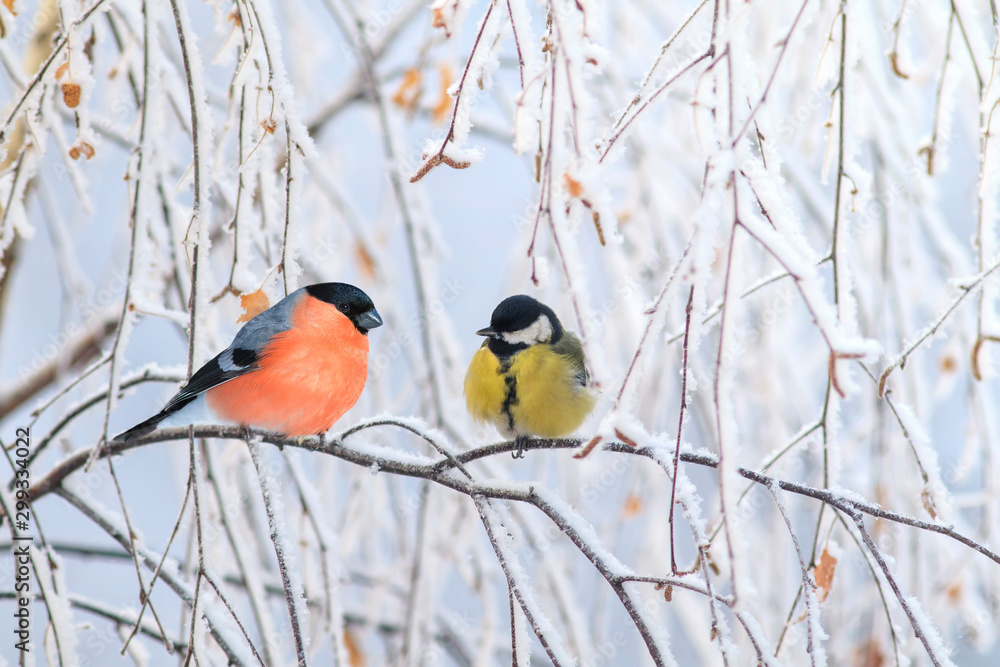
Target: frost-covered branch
point(284, 552)
point(150, 559)
point(436, 469)
point(928, 636)
point(561, 515)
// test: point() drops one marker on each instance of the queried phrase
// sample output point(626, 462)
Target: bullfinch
point(294, 369)
point(530, 376)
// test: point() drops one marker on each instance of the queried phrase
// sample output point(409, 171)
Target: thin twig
point(312, 507)
point(156, 573)
point(656, 63)
point(255, 593)
point(918, 630)
point(774, 73)
point(280, 539)
point(81, 349)
point(878, 587)
point(931, 148)
point(439, 157)
point(196, 613)
point(197, 219)
point(232, 612)
point(40, 75)
point(150, 559)
point(663, 87)
point(966, 288)
point(409, 223)
point(680, 429)
point(807, 580)
point(717, 396)
point(653, 316)
point(144, 593)
point(837, 202)
point(143, 157)
point(529, 606)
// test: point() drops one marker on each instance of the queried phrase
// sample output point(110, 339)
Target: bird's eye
point(343, 307)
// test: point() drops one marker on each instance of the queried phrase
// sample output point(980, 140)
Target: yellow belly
point(535, 394)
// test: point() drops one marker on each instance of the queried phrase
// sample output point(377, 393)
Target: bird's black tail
point(145, 428)
point(141, 429)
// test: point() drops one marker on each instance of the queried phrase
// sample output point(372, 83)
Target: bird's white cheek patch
point(539, 330)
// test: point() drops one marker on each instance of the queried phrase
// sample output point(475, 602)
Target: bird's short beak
point(488, 331)
point(369, 320)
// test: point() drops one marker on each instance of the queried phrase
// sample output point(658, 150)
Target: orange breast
point(308, 377)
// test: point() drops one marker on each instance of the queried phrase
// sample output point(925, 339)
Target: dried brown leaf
point(823, 574)
point(408, 93)
point(948, 363)
point(88, 46)
point(355, 656)
point(437, 18)
point(869, 655)
point(81, 148)
point(442, 109)
point(443, 15)
point(253, 304)
point(928, 502)
point(365, 261)
point(61, 70)
point(71, 94)
point(574, 186)
point(9, 4)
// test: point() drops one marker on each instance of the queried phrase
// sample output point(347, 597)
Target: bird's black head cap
point(349, 300)
point(517, 313)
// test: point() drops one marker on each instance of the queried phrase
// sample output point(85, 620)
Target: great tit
point(530, 376)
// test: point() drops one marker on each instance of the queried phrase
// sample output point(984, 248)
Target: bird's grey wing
point(570, 346)
point(242, 355)
point(227, 365)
